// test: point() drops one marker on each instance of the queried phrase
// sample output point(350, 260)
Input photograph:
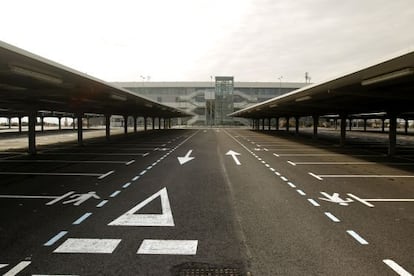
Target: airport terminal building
point(210, 102)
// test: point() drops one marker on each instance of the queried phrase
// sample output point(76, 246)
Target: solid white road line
point(103, 246)
point(357, 237)
point(55, 238)
point(130, 162)
point(332, 217)
point(353, 163)
point(18, 268)
point(314, 175)
point(397, 268)
point(82, 218)
point(50, 174)
point(64, 161)
point(168, 247)
point(364, 176)
point(105, 175)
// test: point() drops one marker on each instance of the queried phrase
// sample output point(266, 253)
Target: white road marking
point(277, 155)
point(313, 202)
point(396, 267)
point(234, 156)
point(105, 246)
point(64, 161)
point(301, 192)
point(272, 169)
point(168, 247)
point(18, 268)
point(105, 175)
point(263, 162)
point(95, 153)
point(329, 154)
point(55, 238)
point(267, 165)
point(357, 237)
point(130, 218)
point(149, 168)
point(361, 200)
point(353, 163)
point(135, 178)
point(290, 162)
point(126, 185)
point(332, 217)
point(60, 198)
point(145, 154)
point(27, 197)
point(54, 275)
point(143, 172)
point(82, 218)
point(283, 178)
point(186, 158)
point(277, 173)
point(3, 265)
point(316, 176)
point(50, 174)
point(364, 176)
point(114, 194)
point(102, 203)
point(291, 184)
point(130, 162)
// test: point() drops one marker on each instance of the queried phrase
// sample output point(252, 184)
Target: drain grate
point(203, 269)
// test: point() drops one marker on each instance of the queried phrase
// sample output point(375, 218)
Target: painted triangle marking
point(130, 218)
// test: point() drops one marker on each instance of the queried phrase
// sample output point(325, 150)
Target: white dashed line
point(302, 193)
point(130, 162)
point(332, 217)
point(18, 268)
point(126, 185)
point(105, 175)
point(283, 178)
point(314, 175)
point(291, 184)
point(277, 173)
point(272, 169)
point(145, 154)
point(277, 155)
point(82, 218)
point(135, 178)
point(357, 237)
point(396, 267)
point(102, 203)
point(55, 238)
point(267, 165)
point(313, 202)
point(114, 194)
point(143, 172)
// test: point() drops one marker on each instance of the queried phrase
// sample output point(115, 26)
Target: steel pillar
point(32, 132)
point(107, 126)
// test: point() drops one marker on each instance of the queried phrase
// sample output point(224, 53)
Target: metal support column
point(135, 123)
point(315, 126)
point(365, 124)
point(159, 123)
point(343, 130)
point(20, 124)
point(269, 121)
point(80, 129)
point(32, 132)
point(145, 123)
point(42, 123)
point(297, 125)
point(350, 124)
point(125, 124)
point(10, 124)
point(406, 126)
point(153, 123)
point(107, 126)
point(383, 125)
point(392, 135)
point(60, 122)
point(287, 124)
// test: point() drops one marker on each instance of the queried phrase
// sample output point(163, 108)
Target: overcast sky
point(178, 40)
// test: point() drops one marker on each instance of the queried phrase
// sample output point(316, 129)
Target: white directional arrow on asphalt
point(186, 158)
point(234, 155)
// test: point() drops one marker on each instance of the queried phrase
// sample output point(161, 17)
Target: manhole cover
point(203, 269)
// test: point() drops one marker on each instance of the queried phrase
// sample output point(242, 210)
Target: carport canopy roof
point(31, 83)
point(384, 87)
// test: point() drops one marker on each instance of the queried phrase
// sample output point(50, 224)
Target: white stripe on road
point(64, 161)
point(363, 201)
point(3, 265)
point(357, 237)
point(290, 162)
point(27, 197)
point(301, 192)
point(126, 185)
point(364, 176)
point(332, 217)
point(114, 194)
point(88, 246)
point(168, 247)
point(18, 268)
point(59, 198)
point(353, 163)
point(130, 162)
point(105, 175)
point(95, 153)
point(82, 218)
point(102, 203)
point(55, 238)
point(314, 175)
point(283, 178)
point(143, 172)
point(135, 178)
point(50, 174)
point(396, 267)
point(313, 202)
point(291, 184)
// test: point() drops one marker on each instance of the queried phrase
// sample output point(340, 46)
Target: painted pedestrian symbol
point(78, 199)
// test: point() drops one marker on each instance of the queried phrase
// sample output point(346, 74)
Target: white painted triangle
point(130, 218)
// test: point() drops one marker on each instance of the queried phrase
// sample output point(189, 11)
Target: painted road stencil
point(130, 218)
point(337, 199)
point(76, 199)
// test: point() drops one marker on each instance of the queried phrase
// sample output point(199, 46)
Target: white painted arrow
point(234, 155)
point(186, 158)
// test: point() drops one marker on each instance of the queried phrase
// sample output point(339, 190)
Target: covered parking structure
point(33, 86)
point(386, 88)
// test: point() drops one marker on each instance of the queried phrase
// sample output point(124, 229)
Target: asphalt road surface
point(236, 202)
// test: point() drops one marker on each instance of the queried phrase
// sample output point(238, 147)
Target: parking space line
point(362, 176)
point(130, 162)
point(50, 174)
point(18, 268)
point(55, 238)
point(82, 218)
point(361, 200)
point(314, 175)
point(357, 237)
point(328, 154)
point(290, 162)
point(396, 267)
point(64, 161)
